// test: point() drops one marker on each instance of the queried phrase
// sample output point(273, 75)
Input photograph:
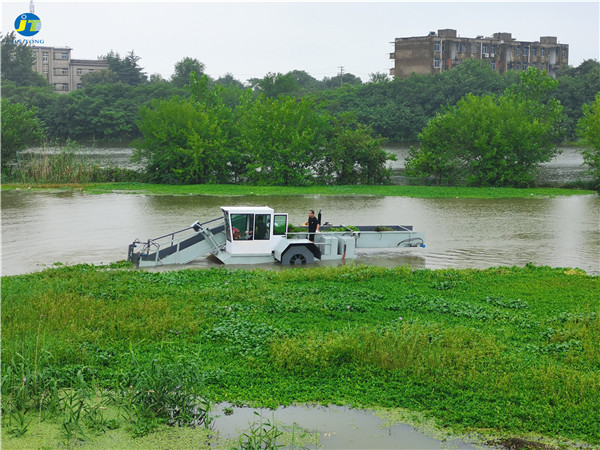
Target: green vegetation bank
point(292, 129)
point(509, 351)
point(352, 190)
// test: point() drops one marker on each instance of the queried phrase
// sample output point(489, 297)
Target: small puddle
point(336, 427)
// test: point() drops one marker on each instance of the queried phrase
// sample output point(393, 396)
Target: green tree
point(183, 70)
point(127, 69)
point(282, 137)
point(273, 85)
point(588, 128)
point(39, 97)
point(17, 62)
point(107, 76)
point(186, 141)
point(400, 109)
point(577, 86)
point(229, 80)
point(106, 112)
point(262, 140)
point(491, 140)
point(341, 80)
point(353, 155)
point(20, 129)
point(180, 143)
point(306, 82)
point(379, 77)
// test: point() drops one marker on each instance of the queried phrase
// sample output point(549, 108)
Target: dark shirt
point(312, 224)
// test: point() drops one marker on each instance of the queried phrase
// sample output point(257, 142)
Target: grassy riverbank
point(228, 190)
point(511, 351)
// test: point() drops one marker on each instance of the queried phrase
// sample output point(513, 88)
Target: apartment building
point(444, 50)
point(61, 71)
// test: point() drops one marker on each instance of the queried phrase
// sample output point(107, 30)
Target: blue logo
point(28, 24)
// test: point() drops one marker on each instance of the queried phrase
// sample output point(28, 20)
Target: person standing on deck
point(313, 225)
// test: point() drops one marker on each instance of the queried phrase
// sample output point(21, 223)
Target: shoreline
point(242, 190)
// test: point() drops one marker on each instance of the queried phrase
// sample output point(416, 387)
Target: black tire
point(297, 254)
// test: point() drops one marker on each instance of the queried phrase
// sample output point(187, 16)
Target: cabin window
point(280, 225)
point(242, 226)
point(262, 228)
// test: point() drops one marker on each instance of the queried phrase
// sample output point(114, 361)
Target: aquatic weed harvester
point(255, 235)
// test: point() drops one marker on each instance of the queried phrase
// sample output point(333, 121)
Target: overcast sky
point(251, 39)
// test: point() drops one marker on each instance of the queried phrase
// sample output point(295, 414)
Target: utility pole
point(341, 74)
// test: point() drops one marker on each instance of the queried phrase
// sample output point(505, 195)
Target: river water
point(40, 229)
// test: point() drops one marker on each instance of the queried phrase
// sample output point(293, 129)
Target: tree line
point(114, 105)
point(263, 141)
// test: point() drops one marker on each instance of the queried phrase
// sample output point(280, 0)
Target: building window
point(91, 70)
point(493, 50)
point(518, 66)
point(484, 48)
point(543, 52)
point(436, 46)
point(64, 56)
point(79, 86)
point(45, 68)
point(564, 53)
point(463, 47)
point(79, 71)
point(45, 57)
point(534, 51)
point(62, 86)
point(525, 51)
point(524, 66)
point(518, 51)
point(436, 63)
point(493, 65)
point(473, 48)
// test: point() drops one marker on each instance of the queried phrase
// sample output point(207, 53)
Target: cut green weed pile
point(508, 349)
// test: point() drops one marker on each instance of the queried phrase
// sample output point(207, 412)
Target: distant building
point(443, 50)
point(64, 73)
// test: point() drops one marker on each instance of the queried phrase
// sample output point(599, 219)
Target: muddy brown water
point(40, 229)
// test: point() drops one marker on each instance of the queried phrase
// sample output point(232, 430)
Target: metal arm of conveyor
point(160, 247)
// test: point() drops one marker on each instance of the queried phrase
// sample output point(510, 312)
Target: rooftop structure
point(444, 50)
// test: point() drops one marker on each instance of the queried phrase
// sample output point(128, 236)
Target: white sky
point(251, 39)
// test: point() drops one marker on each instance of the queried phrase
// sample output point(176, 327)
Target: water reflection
point(39, 229)
point(334, 427)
